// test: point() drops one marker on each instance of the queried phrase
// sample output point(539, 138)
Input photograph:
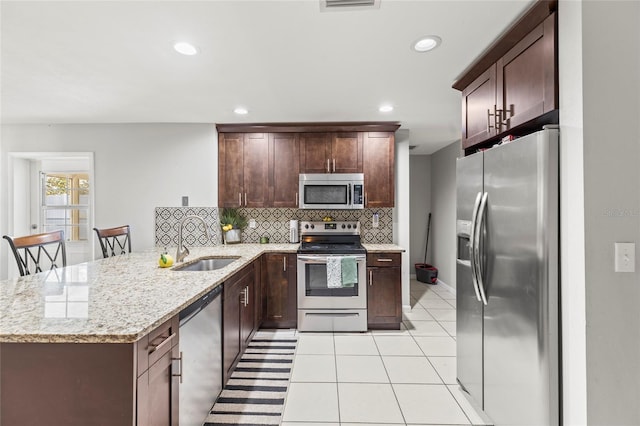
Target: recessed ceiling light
point(385, 108)
point(185, 48)
point(427, 43)
point(241, 111)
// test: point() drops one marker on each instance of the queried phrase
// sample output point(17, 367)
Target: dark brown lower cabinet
point(279, 301)
point(158, 392)
point(92, 383)
point(238, 317)
point(384, 290)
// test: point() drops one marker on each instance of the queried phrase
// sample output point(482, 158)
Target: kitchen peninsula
point(98, 342)
point(83, 344)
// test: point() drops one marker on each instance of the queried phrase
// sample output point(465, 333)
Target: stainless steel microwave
point(331, 191)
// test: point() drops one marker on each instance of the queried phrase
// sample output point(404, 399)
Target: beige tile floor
point(397, 377)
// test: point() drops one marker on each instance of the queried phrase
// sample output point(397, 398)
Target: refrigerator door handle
point(482, 210)
point(472, 245)
point(466, 263)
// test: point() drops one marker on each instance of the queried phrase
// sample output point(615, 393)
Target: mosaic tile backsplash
point(271, 222)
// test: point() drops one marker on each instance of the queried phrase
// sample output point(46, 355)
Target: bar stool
point(37, 251)
point(114, 241)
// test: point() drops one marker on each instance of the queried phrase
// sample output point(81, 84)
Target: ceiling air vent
point(333, 5)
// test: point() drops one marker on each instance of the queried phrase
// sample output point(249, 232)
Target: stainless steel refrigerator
point(508, 333)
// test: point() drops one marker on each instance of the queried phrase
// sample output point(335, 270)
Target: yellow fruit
point(165, 260)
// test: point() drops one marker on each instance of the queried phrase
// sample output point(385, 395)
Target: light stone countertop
point(119, 299)
point(377, 248)
point(115, 300)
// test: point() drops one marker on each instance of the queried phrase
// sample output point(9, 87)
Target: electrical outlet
point(625, 257)
point(185, 201)
point(252, 223)
point(375, 221)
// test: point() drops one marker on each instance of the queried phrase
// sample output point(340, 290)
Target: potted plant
point(232, 223)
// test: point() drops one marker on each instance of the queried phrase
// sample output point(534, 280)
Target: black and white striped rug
point(255, 392)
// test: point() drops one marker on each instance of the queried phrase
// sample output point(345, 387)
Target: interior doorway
point(50, 191)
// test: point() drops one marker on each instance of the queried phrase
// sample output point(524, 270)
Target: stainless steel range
point(330, 299)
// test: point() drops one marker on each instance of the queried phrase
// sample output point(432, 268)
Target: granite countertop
point(376, 248)
point(115, 300)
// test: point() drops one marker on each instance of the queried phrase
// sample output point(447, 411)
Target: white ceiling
point(113, 62)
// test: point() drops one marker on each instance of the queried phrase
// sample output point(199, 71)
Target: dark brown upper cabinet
point(284, 168)
point(379, 171)
point(315, 152)
point(331, 152)
point(526, 77)
point(242, 170)
point(259, 164)
point(512, 89)
point(479, 109)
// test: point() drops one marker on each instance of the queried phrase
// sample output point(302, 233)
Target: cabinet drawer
point(157, 343)
point(384, 259)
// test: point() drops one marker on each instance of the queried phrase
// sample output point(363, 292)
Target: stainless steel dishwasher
point(201, 347)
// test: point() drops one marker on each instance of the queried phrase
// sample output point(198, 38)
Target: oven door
point(314, 293)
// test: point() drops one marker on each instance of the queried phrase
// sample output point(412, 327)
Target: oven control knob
point(312, 226)
point(354, 225)
point(349, 226)
point(306, 227)
point(343, 226)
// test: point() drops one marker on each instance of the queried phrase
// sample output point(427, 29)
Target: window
point(65, 204)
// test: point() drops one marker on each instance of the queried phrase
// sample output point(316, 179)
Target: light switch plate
point(185, 201)
point(625, 257)
point(252, 223)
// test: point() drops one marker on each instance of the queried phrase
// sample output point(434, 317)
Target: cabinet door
point(230, 169)
point(479, 109)
point(158, 393)
point(346, 152)
point(384, 297)
point(279, 286)
point(231, 328)
point(315, 151)
point(247, 306)
point(256, 170)
point(284, 168)
point(526, 78)
point(378, 158)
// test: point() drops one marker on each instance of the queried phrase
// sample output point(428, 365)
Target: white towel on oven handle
point(334, 271)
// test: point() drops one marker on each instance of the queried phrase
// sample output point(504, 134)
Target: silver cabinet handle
point(488, 120)
point(246, 296)
point(384, 260)
point(240, 199)
point(296, 199)
point(334, 165)
point(284, 263)
point(370, 277)
point(157, 347)
point(245, 199)
point(243, 297)
point(179, 359)
point(328, 168)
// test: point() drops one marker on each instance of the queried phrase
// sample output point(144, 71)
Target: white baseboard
point(447, 286)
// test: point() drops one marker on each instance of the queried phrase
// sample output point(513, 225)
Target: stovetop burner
point(331, 238)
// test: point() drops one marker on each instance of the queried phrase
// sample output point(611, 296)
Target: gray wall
point(420, 186)
point(443, 207)
point(611, 108)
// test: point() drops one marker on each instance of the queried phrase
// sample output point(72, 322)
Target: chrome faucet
point(182, 251)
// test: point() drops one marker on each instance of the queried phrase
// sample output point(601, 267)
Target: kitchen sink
point(205, 264)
